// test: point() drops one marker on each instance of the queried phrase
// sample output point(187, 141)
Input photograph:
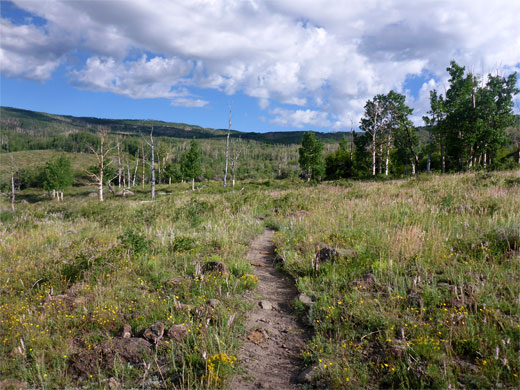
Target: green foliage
point(470, 121)
point(338, 165)
point(190, 162)
point(311, 157)
point(57, 174)
point(135, 241)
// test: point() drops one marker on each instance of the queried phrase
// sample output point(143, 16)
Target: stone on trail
point(309, 375)
point(256, 337)
point(305, 299)
point(266, 305)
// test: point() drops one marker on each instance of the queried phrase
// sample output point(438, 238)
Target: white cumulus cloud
point(326, 58)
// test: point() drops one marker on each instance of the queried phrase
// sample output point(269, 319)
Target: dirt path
point(269, 355)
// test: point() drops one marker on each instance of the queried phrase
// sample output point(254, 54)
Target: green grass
point(31, 158)
point(131, 262)
point(429, 300)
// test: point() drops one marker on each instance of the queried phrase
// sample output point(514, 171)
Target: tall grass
point(431, 298)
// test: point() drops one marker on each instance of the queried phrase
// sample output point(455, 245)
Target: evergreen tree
point(190, 163)
point(311, 157)
point(338, 165)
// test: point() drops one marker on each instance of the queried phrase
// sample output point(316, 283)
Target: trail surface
point(274, 338)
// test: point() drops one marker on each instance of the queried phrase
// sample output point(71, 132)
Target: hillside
point(44, 124)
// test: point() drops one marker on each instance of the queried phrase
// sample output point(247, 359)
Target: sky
point(281, 64)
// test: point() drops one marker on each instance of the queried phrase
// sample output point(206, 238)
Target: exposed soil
point(275, 337)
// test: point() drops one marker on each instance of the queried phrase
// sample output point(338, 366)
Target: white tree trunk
point(119, 167)
point(152, 165)
point(142, 177)
point(387, 157)
point(374, 153)
point(13, 192)
point(227, 148)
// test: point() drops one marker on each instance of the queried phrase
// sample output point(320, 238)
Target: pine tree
point(190, 163)
point(311, 159)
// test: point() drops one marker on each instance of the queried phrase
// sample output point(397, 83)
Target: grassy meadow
point(428, 295)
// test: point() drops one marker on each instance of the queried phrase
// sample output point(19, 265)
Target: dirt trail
point(269, 355)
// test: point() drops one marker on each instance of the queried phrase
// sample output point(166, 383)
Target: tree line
point(466, 128)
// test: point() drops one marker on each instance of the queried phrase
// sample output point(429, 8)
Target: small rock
point(113, 384)
point(126, 332)
point(325, 254)
point(92, 195)
point(266, 305)
point(214, 266)
point(131, 350)
point(12, 384)
point(23, 201)
point(127, 193)
point(178, 332)
point(366, 282)
point(154, 333)
point(256, 337)
point(305, 299)
point(309, 375)
point(213, 303)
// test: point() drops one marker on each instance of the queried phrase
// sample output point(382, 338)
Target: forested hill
point(44, 124)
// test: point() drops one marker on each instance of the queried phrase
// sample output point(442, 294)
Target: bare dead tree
point(118, 162)
point(152, 162)
point(101, 156)
point(227, 146)
point(136, 166)
point(234, 161)
point(143, 165)
point(13, 188)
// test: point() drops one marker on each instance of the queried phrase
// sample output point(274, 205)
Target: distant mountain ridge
point(43, 124)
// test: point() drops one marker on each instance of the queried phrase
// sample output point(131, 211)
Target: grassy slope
point(441, 308)
point(28, 158)
point(431, 298)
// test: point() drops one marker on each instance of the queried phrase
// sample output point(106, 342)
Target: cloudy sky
point(285, 64)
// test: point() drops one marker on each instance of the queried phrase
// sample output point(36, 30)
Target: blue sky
point(285, 65)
